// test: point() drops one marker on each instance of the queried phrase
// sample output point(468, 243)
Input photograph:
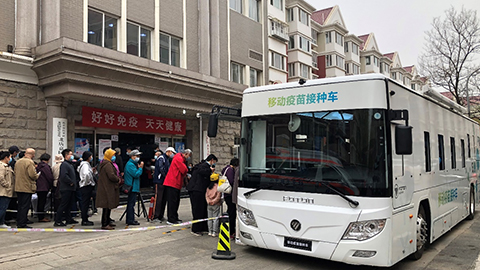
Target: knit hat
point(58, 158)
point(109, 154)
point(214, 177)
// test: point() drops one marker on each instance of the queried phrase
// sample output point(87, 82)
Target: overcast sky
point(397, 25)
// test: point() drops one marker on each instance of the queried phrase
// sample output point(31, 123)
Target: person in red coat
point(173, 183)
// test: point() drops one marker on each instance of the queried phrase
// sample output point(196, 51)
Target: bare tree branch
point(450, 51)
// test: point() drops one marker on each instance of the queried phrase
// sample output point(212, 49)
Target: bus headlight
point(246, 216)
point(364, 230)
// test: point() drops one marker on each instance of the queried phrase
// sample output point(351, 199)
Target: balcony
point(278, 29)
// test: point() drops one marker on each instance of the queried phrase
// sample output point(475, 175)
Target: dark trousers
point(4, 201)
point(13, 205)
point(173, 199)
point(86, 196)
point(42, 199)
point(160, 201)
point(24, 202)
point(132, 196)
point(106, 217)
point(64, 210)
point(199, 210)
point(232, 213)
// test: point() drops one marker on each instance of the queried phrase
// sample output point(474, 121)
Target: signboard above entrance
point(93, 117)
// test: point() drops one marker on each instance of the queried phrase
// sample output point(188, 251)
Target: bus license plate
point(297, 243)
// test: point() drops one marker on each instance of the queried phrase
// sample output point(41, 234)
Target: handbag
point(223, 184)
point(125, 189)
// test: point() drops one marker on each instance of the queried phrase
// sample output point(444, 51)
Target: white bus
point(355, 169)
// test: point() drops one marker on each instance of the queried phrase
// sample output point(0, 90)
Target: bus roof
point(273, 87)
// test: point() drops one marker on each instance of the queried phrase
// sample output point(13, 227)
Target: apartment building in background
point(121, 72)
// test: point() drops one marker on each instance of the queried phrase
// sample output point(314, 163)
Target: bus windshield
point(305, 152)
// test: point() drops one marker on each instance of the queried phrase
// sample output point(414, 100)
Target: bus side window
point(441, 153)
point(468, 146)
point(453, 154)
point(428, 159)
point(462, 144)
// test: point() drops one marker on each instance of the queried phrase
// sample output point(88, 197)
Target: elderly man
point(162, 164)
point(67, 181)
point(173, 183)
point(25, 185)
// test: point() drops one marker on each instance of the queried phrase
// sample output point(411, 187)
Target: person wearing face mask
point(7, 183)
point(44, 184)
point(87, 185)
point(162, 164)
point(173, 183)
point(67, 182)
point(108, 194)
point(133, 171)
point(197, 187)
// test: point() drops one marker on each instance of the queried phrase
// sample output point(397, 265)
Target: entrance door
point(145, 143)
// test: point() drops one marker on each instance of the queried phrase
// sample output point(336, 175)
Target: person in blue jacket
point(132, 172)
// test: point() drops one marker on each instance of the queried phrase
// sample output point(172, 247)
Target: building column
point(50, 20)
point(204, 36)
point(56, 108)
point(26, 26)
point(215, 37)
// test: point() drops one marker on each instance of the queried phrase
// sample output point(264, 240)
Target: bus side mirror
point(212, 125)
point(403, 140)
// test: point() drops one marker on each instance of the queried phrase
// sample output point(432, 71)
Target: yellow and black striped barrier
point(224, 252)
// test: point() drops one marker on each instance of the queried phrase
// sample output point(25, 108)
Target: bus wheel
point(422, 233)
point(471, 206)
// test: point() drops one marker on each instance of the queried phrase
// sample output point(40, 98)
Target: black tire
point(471, 205)
point(422, 234)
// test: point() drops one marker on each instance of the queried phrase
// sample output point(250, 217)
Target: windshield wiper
point(352, 202)
point(249, 193)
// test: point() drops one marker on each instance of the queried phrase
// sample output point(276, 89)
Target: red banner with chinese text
point(93, 117)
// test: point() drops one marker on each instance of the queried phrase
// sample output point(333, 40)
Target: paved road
point(163, 249)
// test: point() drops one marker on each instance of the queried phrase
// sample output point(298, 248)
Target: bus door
point(403, 184)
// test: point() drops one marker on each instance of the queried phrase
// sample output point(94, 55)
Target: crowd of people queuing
point(73, 181)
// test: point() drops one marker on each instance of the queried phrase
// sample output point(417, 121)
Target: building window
point(291, 42)
point(328, 60)
point(375, 61)
point(253, 77)
point(303, 16)
point(367, 60)
point(253, 10)
point(278, 29)
point(304, 44)
point(102, 30)
point(169, 50)
point(291, 70)
point(328, 37)
point(428, 159)
point(236, 5)
point(138, 40)
point(356, 69)
point(304, 71)
point(340, 62)
point(278, 61)
point(393, 75)
point(441, 153)
point(347, 68)
point(314, 36)
point(338, 38)
point(290, 17)
point(355, 48)
point(277, 3)
point(345, 47)
point(236, 73)
point(413, 86)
